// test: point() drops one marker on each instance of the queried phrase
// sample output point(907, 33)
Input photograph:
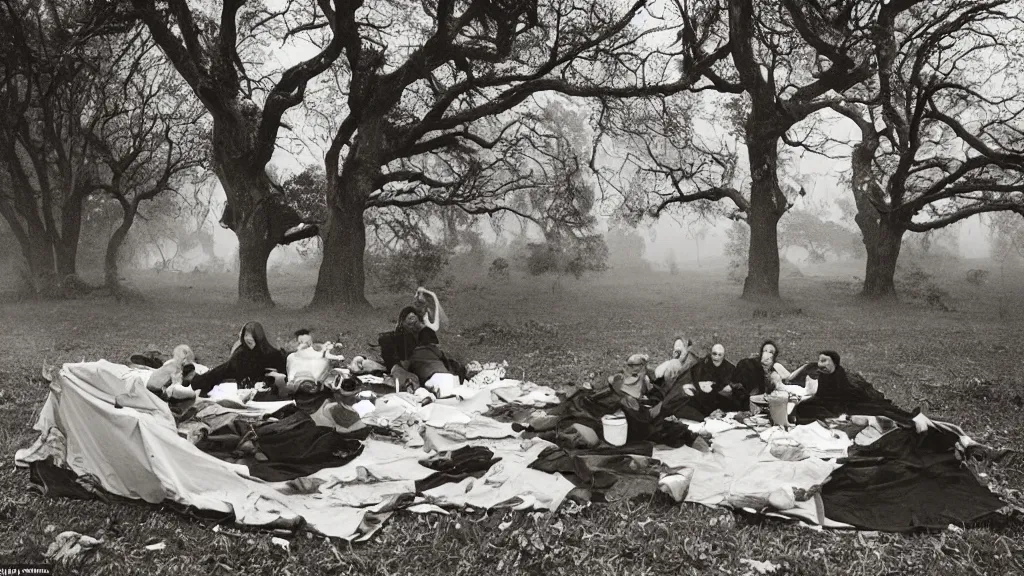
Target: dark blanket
point(293, 446)
point(608, 473)
point(906, 481)
point(456, 466)
point(646, 419)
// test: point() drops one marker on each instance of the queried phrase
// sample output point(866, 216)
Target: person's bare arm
point(435, 322)
point(796, 373)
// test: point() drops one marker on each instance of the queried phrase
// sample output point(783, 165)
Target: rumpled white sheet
point(814, 440)
point(101, 421)
point(740, 472)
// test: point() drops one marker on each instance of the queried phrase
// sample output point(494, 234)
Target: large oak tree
point(431, 91)
point(942, 126)
point(216, 49)
point(51, 77)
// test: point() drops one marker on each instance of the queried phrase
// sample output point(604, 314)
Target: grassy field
point(962, 366)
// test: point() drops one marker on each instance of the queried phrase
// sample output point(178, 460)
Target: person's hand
point(277, 376)
point(261, 387)
point(726, 391)
point(706, 386)
point(689, 389)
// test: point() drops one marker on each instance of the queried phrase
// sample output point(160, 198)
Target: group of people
point(713, 383)
point(305, 370)
point(688, 384)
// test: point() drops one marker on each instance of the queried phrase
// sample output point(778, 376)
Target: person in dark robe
point(835, 393)
point(712, 375)
point(411, 331)
point(427, 359)
point(753, 376)
point(412, 353)
point(249, 365)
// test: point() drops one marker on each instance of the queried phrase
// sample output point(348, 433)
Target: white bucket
point(615, 429)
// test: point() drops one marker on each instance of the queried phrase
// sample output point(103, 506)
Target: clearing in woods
point(961, 366)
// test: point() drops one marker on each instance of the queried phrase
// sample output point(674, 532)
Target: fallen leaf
point(766, 567)
point(282, 543)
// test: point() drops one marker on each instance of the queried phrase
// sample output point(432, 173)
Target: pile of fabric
point(495, 443)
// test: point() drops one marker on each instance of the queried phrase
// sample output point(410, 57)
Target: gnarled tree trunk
point(342, 278)
point(48, 258)
point(882, 234)
point(762, 282)
point(883, 254)
point(250, 196)
point(41, 264)
point(111, 274)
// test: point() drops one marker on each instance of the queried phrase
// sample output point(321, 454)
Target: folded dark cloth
point(456, 466)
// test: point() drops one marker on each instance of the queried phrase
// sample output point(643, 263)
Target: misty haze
point(512, 286)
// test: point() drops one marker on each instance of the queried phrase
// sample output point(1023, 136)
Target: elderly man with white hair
point(712, 377)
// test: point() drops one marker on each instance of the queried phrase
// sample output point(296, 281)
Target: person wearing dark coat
point(753, 376)
point(712, 376)
point(248, 364)
point(835, 394)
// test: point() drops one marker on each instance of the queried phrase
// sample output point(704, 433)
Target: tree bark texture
point(762, 282)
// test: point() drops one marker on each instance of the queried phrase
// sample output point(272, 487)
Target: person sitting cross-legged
point(712, 377)
point(307, 372)
point(249, 364)
point(755, 376)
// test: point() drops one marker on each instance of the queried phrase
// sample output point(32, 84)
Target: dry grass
point(963, 365)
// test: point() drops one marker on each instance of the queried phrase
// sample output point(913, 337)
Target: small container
point(615, 429)
point(778, 409)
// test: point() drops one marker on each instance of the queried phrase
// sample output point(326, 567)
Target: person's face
point(825, 364)
point(679, 348)
point(717, 354)
point(304, 341)
point(635, 366)
point(411, 321)
point(767, 355)
point(249, 340)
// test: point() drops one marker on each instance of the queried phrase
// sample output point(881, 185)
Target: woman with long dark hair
point(249, 363)
point(754, 375)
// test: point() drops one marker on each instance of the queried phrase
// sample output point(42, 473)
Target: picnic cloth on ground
point(740, 472)
point(135, 451)
point(906, 481)
point(124, 436)
point(101, 424)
